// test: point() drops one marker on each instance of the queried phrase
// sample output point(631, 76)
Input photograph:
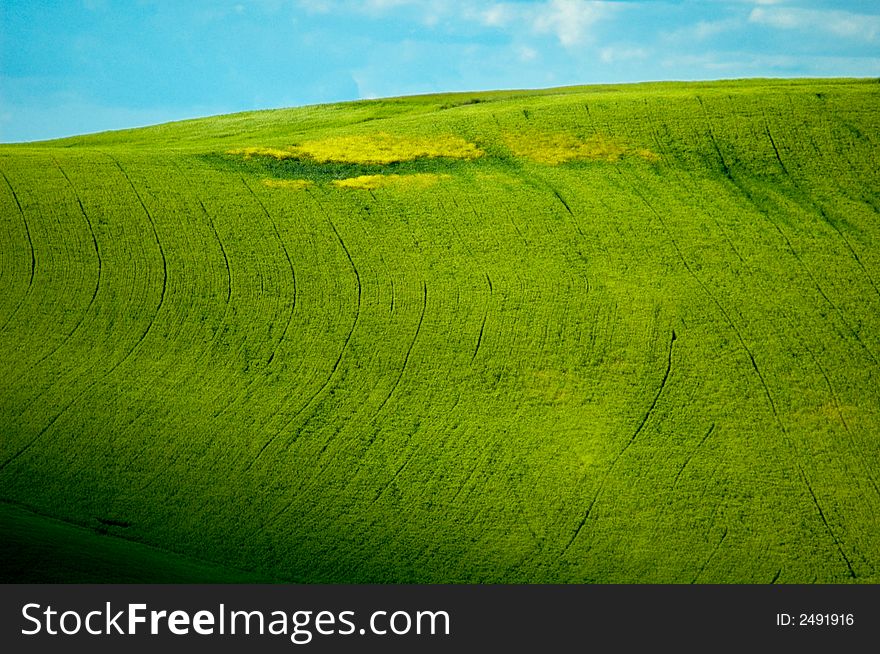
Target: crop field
point(590, 334)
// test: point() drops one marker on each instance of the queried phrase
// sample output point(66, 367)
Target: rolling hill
point(590, 334)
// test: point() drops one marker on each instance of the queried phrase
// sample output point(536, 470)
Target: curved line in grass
point(293, 277)
point(620, 454)
point(289, 265)
point(817, 207)
point(336, 364)
point(748, 351)
point(88, 308)
point(485, 316)
point(97, 281)
point(33, 254)
point(406, 357)
point(128, 354)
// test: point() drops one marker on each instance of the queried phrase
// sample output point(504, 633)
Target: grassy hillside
point(596, 334)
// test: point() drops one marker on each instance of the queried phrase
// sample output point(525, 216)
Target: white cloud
point(497, 15)
point(703, 30)
point(383, 6)
point(865, 27)
point(525, 53)
point(569, 20)
point(708, 28)
point(615, 54)
point(752, 2)
point(316, 6)
point(427, 14)
point(753, 64)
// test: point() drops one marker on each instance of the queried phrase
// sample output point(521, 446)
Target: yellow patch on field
point(371, 182)
point(385, 148)
point(293, 184)
point(378, 148)
point(559, 147)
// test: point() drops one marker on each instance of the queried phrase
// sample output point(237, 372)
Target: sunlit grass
point(371, 182)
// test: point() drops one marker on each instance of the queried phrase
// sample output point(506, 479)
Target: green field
point(588, 334)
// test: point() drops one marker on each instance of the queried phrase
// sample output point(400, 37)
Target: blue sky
point(76, 66)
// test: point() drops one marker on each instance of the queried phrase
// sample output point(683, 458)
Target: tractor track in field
point(692, 455)
point(629, 442)
point(763, 380)
point(158, 244)
point(791, 324)
point(314, 397)
point(380, 492)
point(477, 262)
point(808, 270)
point(29, 444)
point(293, 302)
point(405, 358)
point(483, 322)
point(564, 203)
point(210, 220)
point(711, 556)
point(802, 474)
point(753, 201)
point(354, 323)
point(95, 291)
point(817, 207)
point(819, 288)
point(664, 152)
point(213, 227)
point(271, 220)
point(27, 232)
point(505, 297)
point(67, 337)
point(663, 381)
point(837, 406)
point(391, 284)
point(849, 247)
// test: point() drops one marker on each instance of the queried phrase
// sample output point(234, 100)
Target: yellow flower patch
point(292, 184)
point(378, 148)
point(371, 182)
